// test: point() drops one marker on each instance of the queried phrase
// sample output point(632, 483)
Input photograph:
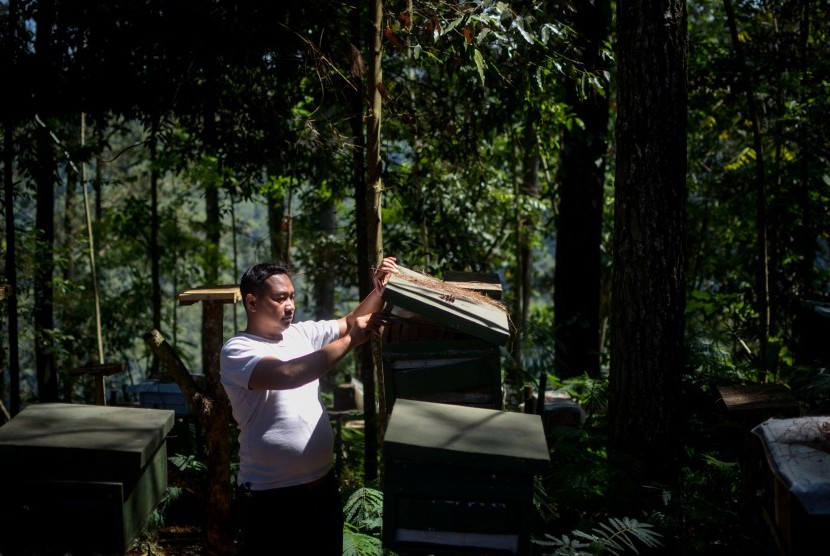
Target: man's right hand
point(366, 326)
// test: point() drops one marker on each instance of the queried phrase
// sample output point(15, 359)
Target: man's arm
point(355, 328)
point(274, 374)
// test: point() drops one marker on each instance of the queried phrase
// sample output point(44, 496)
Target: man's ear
point(250, 302)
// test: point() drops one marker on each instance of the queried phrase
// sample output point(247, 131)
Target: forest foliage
point(252, 102)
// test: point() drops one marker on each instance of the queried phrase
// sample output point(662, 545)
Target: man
point(271, 373)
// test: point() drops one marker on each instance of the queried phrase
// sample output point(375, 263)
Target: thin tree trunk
point(529, 187)
point(45, 366)
point(11, 251)
point(762, 282)
point(276, 217)
point(155, 250)
point(372, 247)
point(91, 243)
point(98, 184)
point(288, 227)
point(67, 234)
point(325, 274)
point(807, 236)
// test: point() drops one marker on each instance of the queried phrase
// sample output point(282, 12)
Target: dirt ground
point(173, 540)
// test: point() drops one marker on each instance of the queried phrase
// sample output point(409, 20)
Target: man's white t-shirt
point(285, 437)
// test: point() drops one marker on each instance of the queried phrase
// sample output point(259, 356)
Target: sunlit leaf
point(479, 60)
point(521, 25)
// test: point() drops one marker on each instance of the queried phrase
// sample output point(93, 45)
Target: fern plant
point(617, 536)
point(363, 515)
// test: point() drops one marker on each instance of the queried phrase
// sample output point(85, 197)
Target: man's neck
point(253, 331)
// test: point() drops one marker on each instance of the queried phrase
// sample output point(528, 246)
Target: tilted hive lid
point(452, 307)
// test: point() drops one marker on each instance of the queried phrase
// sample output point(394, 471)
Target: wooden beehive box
point(797, 489)
point(80, 477)
point(460, 479)
point(442, 341)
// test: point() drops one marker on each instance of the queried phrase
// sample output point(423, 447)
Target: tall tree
point(648, 283)
point(529, 188)
point(581, 177)
point(45, 177)
point(370, 247)
point(10, 61)
point(762, 283)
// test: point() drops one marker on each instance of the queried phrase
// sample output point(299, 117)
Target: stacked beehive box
point(459, 470)
point(442, 342)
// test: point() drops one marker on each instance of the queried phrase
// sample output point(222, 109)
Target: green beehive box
point(464, 372)
point(442, 343)
point(81, 477)
point(460, 479)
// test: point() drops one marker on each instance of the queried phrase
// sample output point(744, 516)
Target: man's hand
point(381, 276)
point(370, 305)
point(365, 327)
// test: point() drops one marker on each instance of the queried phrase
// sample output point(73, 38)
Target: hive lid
point(418, 294)
point(85, 434)
point(796, 450)
point(429, 432)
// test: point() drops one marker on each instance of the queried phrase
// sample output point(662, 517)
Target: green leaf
point(451, 25)
point(520, 23)
point(479, 60)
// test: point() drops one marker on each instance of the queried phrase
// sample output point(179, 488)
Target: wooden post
point(98, 373)
point(219, 537)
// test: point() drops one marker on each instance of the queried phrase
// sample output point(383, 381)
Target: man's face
point(274, 309)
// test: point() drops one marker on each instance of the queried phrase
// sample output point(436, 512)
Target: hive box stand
point(460, 479)
point(81, 478)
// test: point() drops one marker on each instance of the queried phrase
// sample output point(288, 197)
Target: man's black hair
point(254, 278)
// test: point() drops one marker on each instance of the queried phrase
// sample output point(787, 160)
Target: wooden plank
point(224, 294)
point(485, 283)
point(481, 277)
point(753, 397)
point(98, 372)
